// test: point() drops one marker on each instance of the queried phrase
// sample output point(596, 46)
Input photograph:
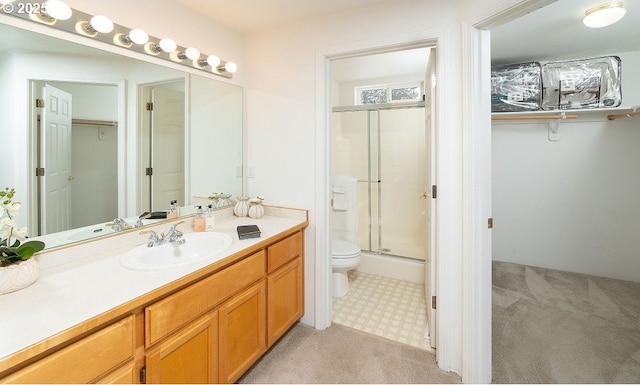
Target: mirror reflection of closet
point(77, 146)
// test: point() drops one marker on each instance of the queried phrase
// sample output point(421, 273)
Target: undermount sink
point(86, 233)
point(196, 247)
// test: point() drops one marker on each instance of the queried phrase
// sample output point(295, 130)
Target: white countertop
point(81, 282)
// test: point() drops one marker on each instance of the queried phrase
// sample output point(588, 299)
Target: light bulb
point(138, 36)
point(604, 15)
point(192, 53)
point(57, 9)
point(213, 61)
point(230, 67)
point(101, 24)
point(168, 45)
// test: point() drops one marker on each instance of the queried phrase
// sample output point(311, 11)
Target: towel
point(344, 221)
point(340, 201)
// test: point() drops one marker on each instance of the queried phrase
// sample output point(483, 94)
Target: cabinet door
point(285, 299)
point(124, 375)
point(190, 356)
point(242, 332)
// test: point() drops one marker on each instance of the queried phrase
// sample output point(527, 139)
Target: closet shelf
point(612, 114)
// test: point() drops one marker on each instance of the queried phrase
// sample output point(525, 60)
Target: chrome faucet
point(120, 224)
point(173, 235)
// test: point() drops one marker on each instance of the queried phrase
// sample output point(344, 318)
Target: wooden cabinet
point(285, 299)
point(285, 286)
point(128, 374)
point(85, 360)
point(242, 332)
point(209, 329)
point(188, 357)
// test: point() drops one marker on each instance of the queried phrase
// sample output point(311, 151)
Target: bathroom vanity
point(91, 320)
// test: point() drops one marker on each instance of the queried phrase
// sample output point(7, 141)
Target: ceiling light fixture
point(604, 14)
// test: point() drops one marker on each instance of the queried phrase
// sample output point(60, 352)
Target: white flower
point(13, 208)
point(6, 229)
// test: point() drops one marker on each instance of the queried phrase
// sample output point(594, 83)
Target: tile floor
point(386, 307)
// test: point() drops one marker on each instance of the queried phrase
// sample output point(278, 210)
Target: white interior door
point(55, 158)
point(167, 148)
point(430, 159)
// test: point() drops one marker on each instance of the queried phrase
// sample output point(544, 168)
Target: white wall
point(572, 204)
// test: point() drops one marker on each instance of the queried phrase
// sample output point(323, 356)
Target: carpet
point(341, 355)
point(551, 326)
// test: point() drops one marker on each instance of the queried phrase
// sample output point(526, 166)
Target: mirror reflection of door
point(77, 154)
point(55, 160)
point(163, 145)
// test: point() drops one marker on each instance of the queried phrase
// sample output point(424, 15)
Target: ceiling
point(557, 32)
point(553, 32)
point(252, 15)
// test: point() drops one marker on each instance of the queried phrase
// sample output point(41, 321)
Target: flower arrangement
point(258, 199)
point(11, 249)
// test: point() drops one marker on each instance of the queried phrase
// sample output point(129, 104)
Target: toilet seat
point(344, 249)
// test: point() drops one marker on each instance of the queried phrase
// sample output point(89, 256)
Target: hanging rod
point(624, 115)
point(527, 117)
point(100, 123)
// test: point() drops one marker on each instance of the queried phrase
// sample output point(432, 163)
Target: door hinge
point(490, 223)
point(39, 171)
point(148, 171)
point(39, 103)
point(433, 302)
point(434, 191)
point(149, 106)
point(143, 375)
point(433, 80)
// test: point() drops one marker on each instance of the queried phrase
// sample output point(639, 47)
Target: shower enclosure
point(383, 146)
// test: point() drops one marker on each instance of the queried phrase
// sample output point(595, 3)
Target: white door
point(430, 159)
point(167, 148)
point(55, 158)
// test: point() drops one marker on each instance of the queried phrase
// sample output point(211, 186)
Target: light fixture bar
point(124, 38)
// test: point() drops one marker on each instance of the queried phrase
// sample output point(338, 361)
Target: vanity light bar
point(103, 29)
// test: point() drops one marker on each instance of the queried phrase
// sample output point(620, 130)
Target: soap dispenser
point(209, 219)
point(173, 211)
point(198, 221)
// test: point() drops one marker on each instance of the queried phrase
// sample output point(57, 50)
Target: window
point(388, 93)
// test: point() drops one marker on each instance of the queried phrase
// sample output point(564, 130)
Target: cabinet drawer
point(171, 313)
point(84, 360)
point(284, 251)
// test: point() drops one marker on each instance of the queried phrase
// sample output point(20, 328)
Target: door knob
point(69, 178)
point(424, 195)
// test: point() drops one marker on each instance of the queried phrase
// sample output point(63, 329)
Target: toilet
point(345, 256)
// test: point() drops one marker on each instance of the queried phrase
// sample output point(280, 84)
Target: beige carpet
point(341, 355)
point(556, 327)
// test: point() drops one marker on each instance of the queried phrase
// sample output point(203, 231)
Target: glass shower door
point(403, 172)
point(384, 150)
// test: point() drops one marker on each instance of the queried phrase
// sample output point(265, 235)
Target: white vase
point(241, 208)
point(256, 210)
point(18, 276)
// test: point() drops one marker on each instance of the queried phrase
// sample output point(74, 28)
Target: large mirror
point(90, 136)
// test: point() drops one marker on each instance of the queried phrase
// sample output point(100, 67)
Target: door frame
point(448, 223)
